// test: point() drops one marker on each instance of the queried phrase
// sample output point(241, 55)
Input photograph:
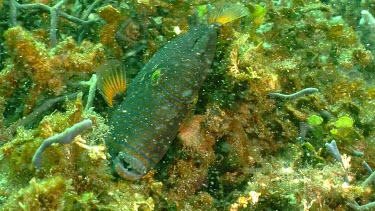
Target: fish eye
point(155, 77)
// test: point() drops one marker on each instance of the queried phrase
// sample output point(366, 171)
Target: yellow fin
point(111, 80)
point(223, 13)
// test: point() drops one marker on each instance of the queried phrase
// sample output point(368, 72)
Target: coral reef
point(245, 146)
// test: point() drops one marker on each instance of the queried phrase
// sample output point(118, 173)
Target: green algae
point(344, 122)
point(314, 120)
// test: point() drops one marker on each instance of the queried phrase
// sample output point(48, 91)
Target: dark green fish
point(158, 100)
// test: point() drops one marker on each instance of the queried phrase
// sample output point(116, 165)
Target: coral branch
point(29, 119)
point(92, 83)
point(367, 167)
point(52, 10)
point(53, 13)
point(332, 147)
point(86, 13)
point(355, 206)
point(13, 12)
point(296, 95)
point(65, 137)
point(369, 181)
point(357, 152)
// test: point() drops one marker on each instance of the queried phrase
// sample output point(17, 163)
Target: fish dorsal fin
point(223, 13)
point(111, 80)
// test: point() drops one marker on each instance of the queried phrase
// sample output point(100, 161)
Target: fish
point(160, 97)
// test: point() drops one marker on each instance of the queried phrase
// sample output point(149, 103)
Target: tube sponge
point(65, 137)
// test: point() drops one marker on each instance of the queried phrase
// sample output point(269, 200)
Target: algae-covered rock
point(40, 195)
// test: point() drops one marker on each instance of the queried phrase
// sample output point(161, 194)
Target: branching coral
point(370, 181)
point(55, 12)
point(332, 147)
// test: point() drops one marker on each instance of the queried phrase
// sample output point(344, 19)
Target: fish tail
point(223, 13)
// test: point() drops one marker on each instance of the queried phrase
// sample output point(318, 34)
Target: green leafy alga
point(314, 120)
point(344, 122)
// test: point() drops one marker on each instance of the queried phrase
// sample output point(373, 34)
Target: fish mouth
point(129, 167)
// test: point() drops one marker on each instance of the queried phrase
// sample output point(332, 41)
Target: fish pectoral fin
point(111, 80)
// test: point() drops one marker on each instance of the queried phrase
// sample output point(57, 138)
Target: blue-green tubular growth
point(158, 100)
